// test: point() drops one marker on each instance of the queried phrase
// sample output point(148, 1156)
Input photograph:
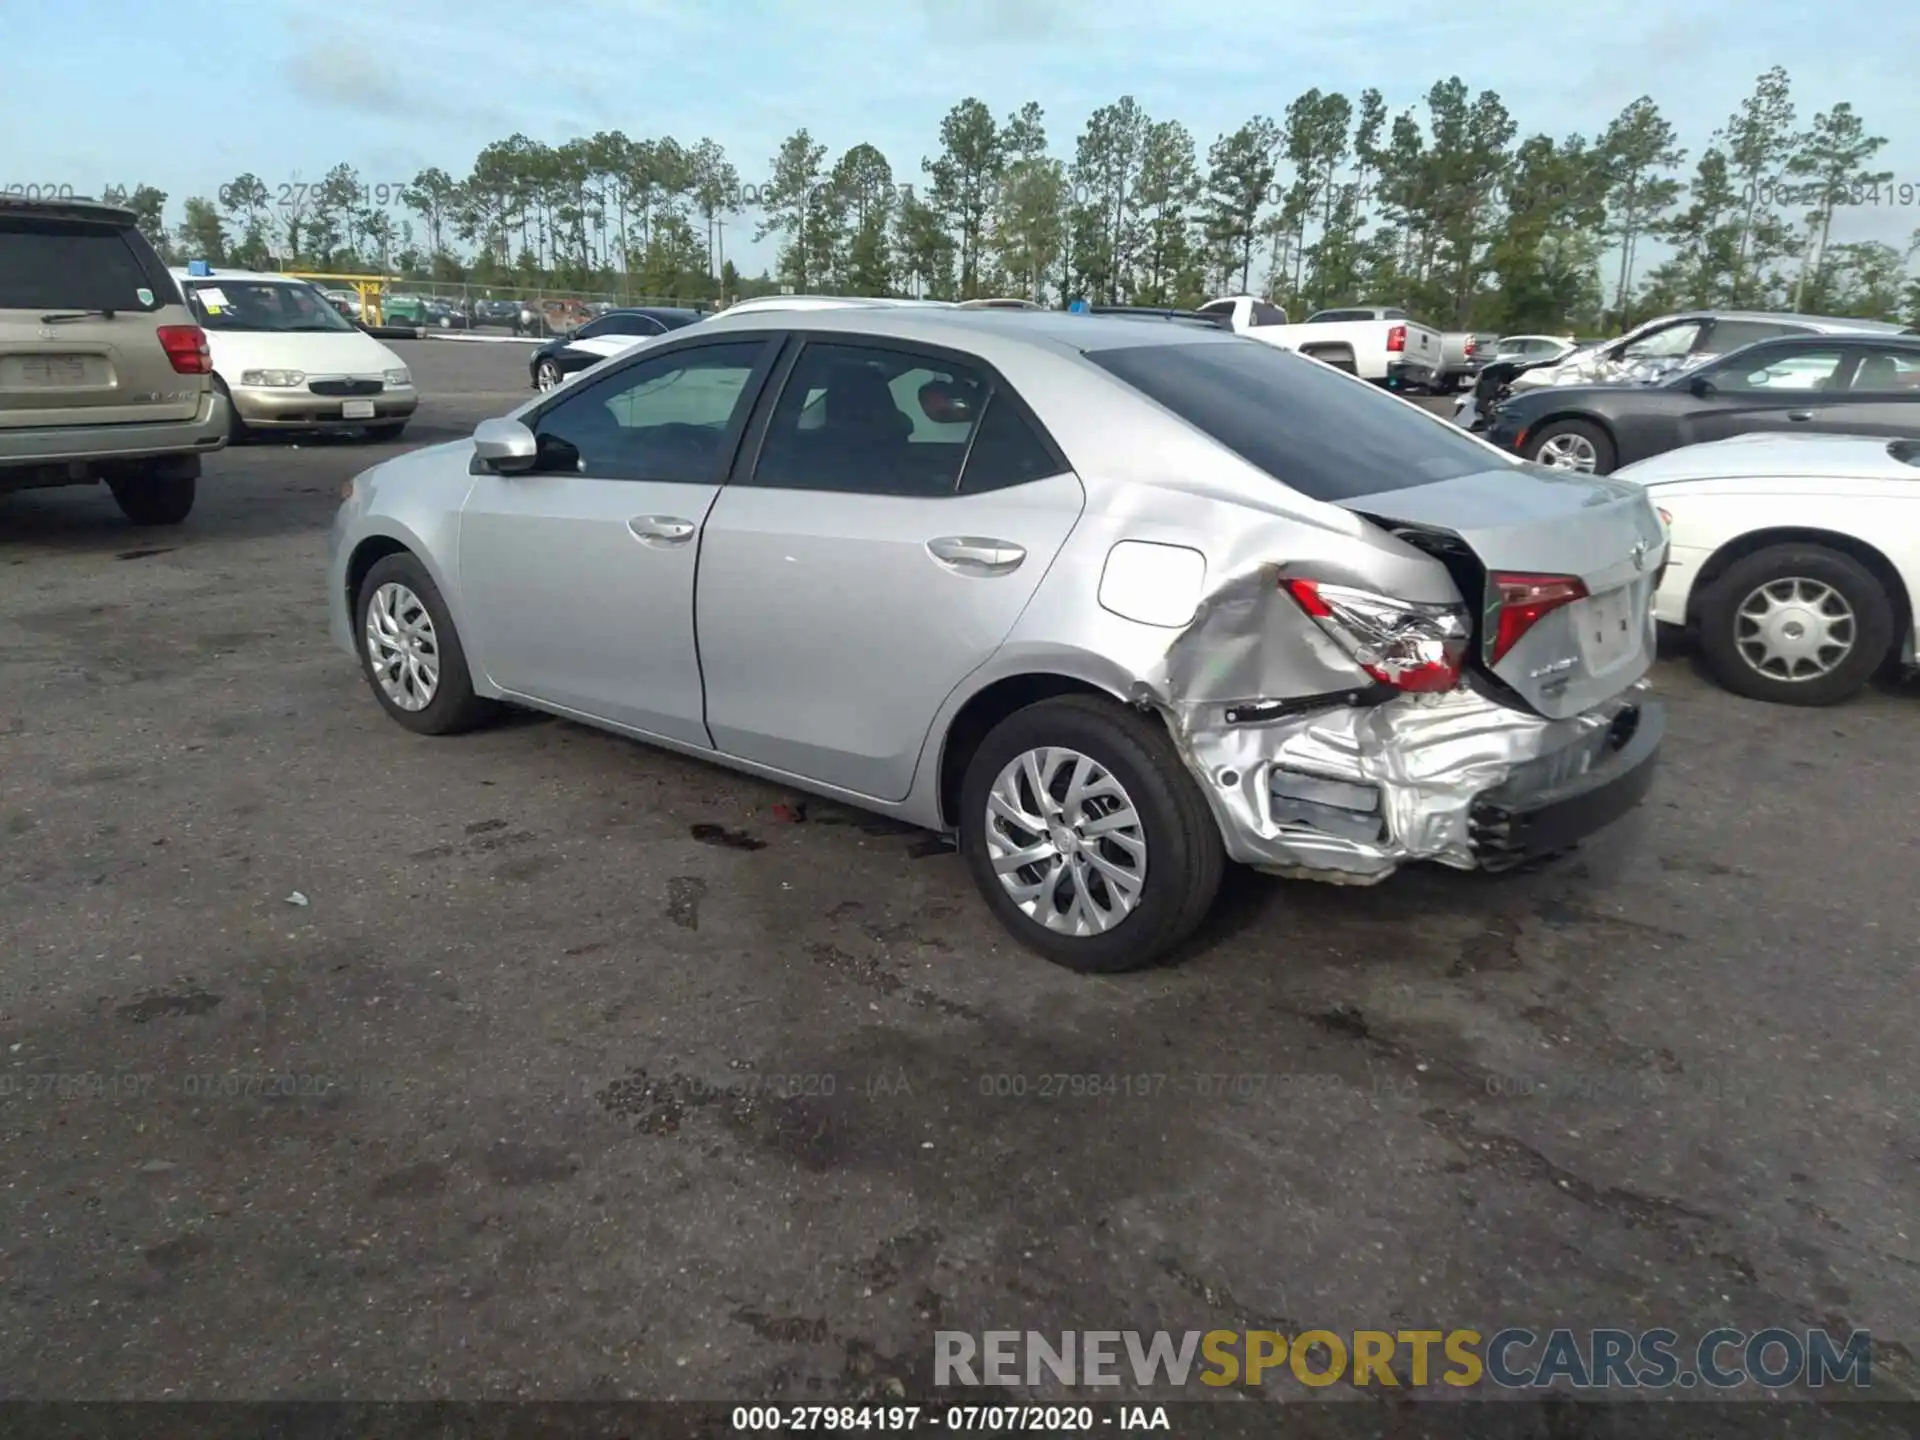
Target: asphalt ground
point(344, 1063)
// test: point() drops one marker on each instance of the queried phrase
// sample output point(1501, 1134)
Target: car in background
point(1111, 603)
point(404, 310)
point(497, 312)
point(605, 335)
point(445, 315)
point(1664, 346)
point(104, 376)
point(1375, 342)
point(285, 359)
point(1463, 354)
point(1833, 384)
point(1532, 349)
point(1793, 558)
point(347, 302)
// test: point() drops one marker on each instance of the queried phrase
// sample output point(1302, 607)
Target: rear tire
point(1748, 612)
point(154, 498)
point(1180, 858)
point(451, 707)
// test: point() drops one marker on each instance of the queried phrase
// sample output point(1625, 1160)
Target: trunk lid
point(1528, 520)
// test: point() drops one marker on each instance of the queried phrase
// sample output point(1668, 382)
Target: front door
point(578, 575)
point(855, 575)
point(1781, 388)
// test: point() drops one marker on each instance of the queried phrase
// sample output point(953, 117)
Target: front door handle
point(1800, 414)
point(970, 555)
point(661, 529)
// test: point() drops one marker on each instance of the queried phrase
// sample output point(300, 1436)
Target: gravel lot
point(536, 1094)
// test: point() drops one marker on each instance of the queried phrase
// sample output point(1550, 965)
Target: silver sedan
point(1112, 603)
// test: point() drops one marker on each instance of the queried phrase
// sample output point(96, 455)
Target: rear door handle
point(1800, 415)
point(661, 529)
point(970, 555)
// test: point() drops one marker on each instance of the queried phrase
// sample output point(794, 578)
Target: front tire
point(1086, 835)
point(410, 652)
point(1573, 445)
point(547, 375)
point(238, 432)
point(154, 499)
point(1796, 625)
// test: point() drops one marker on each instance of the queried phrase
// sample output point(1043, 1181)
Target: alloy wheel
point(549, 375)
point(402, 649)
point(1066, 841)
point(1568, 451)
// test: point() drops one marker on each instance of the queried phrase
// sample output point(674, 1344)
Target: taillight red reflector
point(186, 347)
point(1397, 338)
point(1524, 601)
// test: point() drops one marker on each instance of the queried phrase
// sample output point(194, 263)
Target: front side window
point(1265, 314)
point(1776, 369)
point(664, 419)
point(872, 421)
point(262, 306)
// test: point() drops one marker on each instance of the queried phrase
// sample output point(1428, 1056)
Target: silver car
point(1110, 603)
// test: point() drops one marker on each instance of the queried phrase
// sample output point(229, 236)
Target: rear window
point(1335, 316)
point(52, 265)
point(1305, 424)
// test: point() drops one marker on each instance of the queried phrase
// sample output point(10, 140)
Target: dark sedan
point(600, 337)
point(1819, 384)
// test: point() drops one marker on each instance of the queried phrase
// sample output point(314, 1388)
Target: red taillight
point(1469, 347)
point(1416, 648)
point(186, 347)
point(1525, 600)
point(1397, 338)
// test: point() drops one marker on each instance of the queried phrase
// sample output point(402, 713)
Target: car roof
point(1782, 317)
point(982, 331)
point(225, 272)
point(67, 207)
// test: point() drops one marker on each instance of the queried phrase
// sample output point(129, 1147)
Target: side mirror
point(505, 447)
point(1700, 386)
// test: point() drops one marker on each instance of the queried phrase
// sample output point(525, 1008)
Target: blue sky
point(187, 93)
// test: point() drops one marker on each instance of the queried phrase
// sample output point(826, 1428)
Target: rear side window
point(52, 265)
point(1006, 452)
point(1265, 314)
point(1329, 437)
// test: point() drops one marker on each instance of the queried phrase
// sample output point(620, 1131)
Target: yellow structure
point(370, 288)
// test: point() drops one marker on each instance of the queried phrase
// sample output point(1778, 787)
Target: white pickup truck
point(1375, 342)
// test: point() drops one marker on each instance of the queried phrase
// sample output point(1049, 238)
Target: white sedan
point(1794, 558)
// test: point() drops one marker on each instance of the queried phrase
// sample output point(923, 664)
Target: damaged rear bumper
point(1351, 792)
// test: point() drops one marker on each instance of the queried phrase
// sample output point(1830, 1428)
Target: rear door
point(81, 304)
point(902, 507)
point(1882, 396)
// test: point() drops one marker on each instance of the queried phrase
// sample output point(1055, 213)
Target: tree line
point(1443, 207)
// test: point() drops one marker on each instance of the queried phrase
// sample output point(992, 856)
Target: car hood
point(332, 352)
point(1776, 456)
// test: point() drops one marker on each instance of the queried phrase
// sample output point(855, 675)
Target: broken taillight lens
point(1523, 601)
point(1412, 647)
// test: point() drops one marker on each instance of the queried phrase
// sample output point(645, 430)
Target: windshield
point(262, 305)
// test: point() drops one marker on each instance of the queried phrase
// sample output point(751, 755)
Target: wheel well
point(1328, 354)
point(1755, 541)
point(369, 553)
point(986, 710)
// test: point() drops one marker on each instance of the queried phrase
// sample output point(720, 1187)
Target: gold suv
point(104, 376)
